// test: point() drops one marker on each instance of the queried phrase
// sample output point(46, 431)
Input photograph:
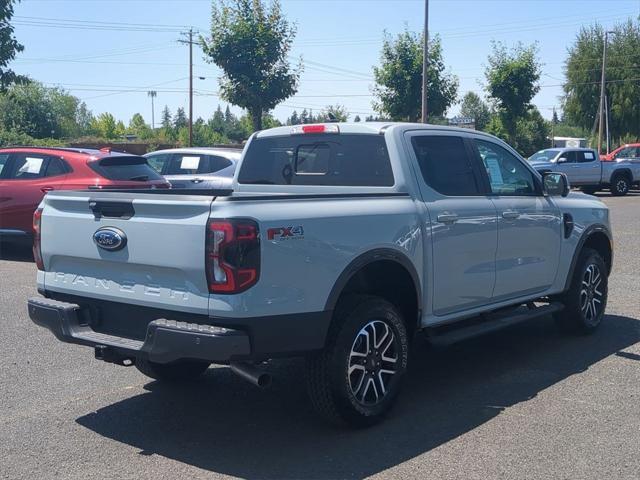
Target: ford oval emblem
point(110, 238)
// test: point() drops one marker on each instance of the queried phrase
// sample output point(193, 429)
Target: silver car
point(206, 168)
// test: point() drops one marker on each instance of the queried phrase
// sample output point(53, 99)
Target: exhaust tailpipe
point(252, 374)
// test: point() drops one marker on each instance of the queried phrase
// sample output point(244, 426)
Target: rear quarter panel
point(298, 272)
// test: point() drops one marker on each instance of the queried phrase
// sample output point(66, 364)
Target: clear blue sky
point(112, 67)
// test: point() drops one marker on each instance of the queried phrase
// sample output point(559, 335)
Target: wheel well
point(393, 282)
point(623, 172)
point(601, 244)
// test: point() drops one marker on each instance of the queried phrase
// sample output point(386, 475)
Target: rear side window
point(158, 162)
point(189, 164)
point(586, 156)
point(125, 168)
point(56, 167)
point(318, 159)
point(445, 165)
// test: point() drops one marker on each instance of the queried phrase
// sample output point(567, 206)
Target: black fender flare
point(367, 258)
point(590, 230)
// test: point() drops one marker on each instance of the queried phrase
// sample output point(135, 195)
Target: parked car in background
point(28, 173)
point(629, 151)
point(584, 169)
point(204, 168)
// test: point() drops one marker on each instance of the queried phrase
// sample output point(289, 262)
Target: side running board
point(450, 334)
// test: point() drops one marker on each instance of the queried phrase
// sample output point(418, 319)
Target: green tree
point(583, 73)
point(294, 119)
point(180, 119)
point(105, 126)
point(217, 122)
point(531, 132)
point(9, 46)
point(42, 112)
point(138, 126)
point(250, 42)
point(337, 113)
point(512, 82)
point(399, 78)
point(357, 118)
point(473, 106)
point(166, 118)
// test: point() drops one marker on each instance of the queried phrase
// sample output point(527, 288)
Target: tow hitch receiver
point(109, 355)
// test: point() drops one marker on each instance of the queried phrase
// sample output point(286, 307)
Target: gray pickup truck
point(584, 168)
point(336, 242)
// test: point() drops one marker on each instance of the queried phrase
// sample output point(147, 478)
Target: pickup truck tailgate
point(160, 265)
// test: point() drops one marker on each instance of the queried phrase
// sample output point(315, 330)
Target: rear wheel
point(356, 379)
point(586, 299)
point(620, 184)
point(182, 370)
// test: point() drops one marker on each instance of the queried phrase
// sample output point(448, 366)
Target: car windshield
point(544, 155)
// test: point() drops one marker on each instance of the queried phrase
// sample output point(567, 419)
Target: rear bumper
point(165, 341)
point(120, 331)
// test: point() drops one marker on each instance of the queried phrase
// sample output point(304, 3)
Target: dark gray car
point(210, 168)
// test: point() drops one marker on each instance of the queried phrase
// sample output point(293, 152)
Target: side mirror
point(562, 160)
point(555, 184)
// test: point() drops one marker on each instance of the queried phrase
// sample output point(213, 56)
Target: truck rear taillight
point(232, 254)
point(37, 250)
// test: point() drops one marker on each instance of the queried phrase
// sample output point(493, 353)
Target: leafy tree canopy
point(399, 78)
point(583, 75)
point(9, 46)
point(473, 106)
point(251, 42)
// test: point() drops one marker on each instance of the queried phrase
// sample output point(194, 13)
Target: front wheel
point(356, 379)
point(586, 299)
point(182, 370)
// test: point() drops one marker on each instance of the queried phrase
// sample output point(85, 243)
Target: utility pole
point(602, 83)
point(425, 56)
point(190, 43)
point(152, 94)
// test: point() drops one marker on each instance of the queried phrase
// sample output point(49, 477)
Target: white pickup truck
point(584, 169)
point(336, 242)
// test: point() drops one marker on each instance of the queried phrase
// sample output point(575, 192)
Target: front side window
point(318, 159)
point(445, 165)
point(508, 176)
point(568, 157)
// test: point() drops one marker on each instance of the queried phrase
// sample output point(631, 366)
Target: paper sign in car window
point(588, 155)
point(31, 165)
point(493, 168)
point(189, 163)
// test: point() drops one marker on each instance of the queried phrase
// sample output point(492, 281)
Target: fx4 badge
point(285, 233)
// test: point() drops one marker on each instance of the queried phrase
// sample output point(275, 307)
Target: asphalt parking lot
point(523, 403)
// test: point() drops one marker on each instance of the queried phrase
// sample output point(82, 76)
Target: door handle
point(447, 218)
point(510, 215)
point(46, 189)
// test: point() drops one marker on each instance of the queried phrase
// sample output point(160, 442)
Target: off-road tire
point(584, 288)
point(330, 384)
point(180, 371)
point(620, 184)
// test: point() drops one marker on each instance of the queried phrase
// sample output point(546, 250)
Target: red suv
point(28, 173)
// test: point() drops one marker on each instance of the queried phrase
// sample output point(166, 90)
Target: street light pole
point(190, 87)
point(152, 94)
point(602, 83)
point(425, 55)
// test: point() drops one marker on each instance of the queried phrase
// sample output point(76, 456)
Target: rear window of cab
point(318, 159)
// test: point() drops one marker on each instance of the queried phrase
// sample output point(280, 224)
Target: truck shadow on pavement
point(225, 425)
point(16, 252)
